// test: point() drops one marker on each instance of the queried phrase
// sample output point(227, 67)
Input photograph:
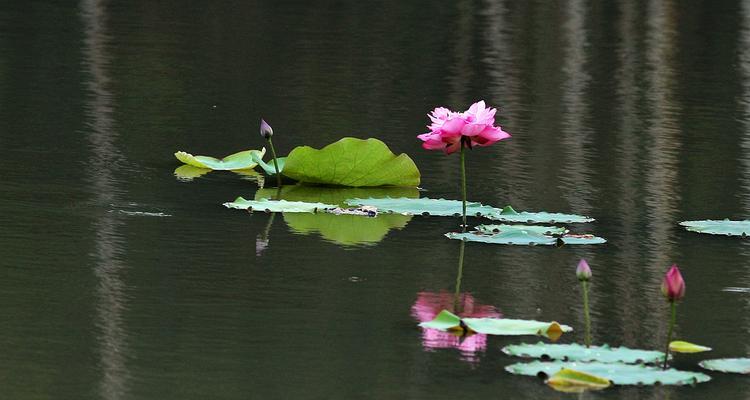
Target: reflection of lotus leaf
point(734, 365)
point(443, 207)
point(719, 227)
point(618, 373)
point(189, 172)
point(346, 229)
point(521, 235)
point(241, 160)
point(332, 195)
point(342, 229)
point(351, 162)
point(577, 352)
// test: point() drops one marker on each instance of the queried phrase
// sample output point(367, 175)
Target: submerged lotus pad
point(577, 352)
point(521, 235)
point(447, 321)
point(618, 373)
point(241, 160)
point(719, 227)
point(734, 365)
point(278, 206)
point(351, 162)
point(443, 207)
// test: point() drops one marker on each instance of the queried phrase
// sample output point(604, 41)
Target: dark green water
point(120, 281)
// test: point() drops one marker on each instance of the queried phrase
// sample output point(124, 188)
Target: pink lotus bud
point(583, 272)
point(265, 130)
point(673, 286)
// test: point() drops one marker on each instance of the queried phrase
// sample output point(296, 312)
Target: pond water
point(121, 281)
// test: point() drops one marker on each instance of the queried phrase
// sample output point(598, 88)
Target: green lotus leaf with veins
point(351, 162)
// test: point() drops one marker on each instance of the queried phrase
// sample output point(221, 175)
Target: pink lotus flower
point(450, 129)
point(673, 286)
point(429, 304)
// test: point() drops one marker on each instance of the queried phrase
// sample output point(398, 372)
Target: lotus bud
point(265, 130)
point(673, 286)
point(583, 272)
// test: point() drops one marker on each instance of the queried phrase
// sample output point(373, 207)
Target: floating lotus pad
point(618, 373)
point(519, 235)
point(572, 381)
point(424, 206)
point(241, 160)
point(719, 227)
point(679, 346)
point(443, 207)
point(278, 206)
point(531, 229)
point(332, 194)
point(508, 214)
point(732, 365)
point(577, 352)
point(352, 162)
point(447, 321)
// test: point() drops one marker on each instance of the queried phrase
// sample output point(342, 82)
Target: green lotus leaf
point(679, 346)
point(332, 194)
point(241, 160)
point(443, 207)
point(732, 365)
point(352, 162)
point(577, 352)
point(719, 227)
point(618, 373)
point(347, 230)
point(269, 167)
point(278, 206)
point(572, 381)
point(447, 321)
point(189, 172)
point(519, 235)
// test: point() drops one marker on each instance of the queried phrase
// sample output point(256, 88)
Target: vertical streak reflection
point(744, 55)
point(108, 242)
point(576, 187)
point(663, 136)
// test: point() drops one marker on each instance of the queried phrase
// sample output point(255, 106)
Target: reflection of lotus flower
point(261, 244)
point(474, 127)
point(428, 305)
point(673, 286)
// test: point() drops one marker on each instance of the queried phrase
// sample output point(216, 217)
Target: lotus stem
point(275, 163)
point(463, 183)
point(673, 317)
point(586, 316)
point(457, 293)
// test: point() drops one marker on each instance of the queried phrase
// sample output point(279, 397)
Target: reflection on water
point(105, 158)
point(429, 304)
